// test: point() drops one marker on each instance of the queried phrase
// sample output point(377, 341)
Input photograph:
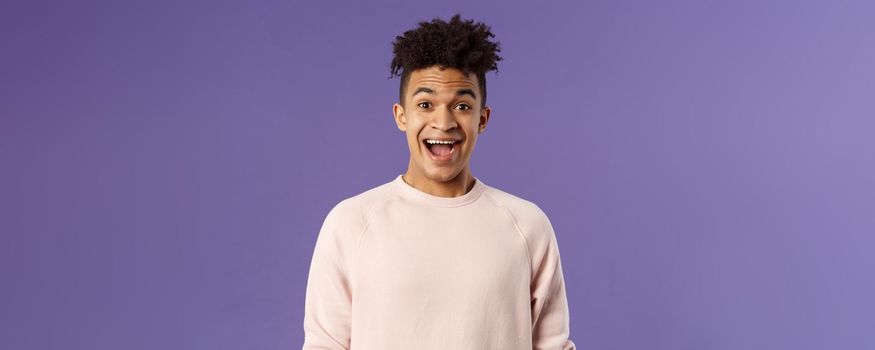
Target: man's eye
point(423, 103)
point(467, 107)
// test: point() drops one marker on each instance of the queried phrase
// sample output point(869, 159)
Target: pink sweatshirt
point(398, 268)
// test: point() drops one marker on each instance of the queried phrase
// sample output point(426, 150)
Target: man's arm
point(327, 309)
point(550, 320)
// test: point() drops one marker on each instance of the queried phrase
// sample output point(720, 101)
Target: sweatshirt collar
point(408, 191)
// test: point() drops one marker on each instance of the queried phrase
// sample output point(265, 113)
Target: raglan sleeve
point(328, 300)
point(550, 316)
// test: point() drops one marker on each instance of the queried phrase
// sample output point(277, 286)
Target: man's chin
point(442, 174)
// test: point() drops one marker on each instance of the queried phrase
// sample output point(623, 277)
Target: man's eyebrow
point(423, 89)
point(459, 92)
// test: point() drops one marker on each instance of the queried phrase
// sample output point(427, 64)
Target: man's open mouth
point(441, 149)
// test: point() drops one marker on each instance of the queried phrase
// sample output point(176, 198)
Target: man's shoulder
point(526, 213)
point(354, 209)
point(531, 221)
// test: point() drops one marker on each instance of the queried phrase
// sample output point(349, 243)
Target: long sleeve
point(397, 268)
point(327, 310)
point(550, 318)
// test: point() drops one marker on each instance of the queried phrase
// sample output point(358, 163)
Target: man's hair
point(460, 44)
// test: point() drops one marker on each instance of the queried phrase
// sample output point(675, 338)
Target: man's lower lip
point(445, 158)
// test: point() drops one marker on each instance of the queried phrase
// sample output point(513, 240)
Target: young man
point(437, 259)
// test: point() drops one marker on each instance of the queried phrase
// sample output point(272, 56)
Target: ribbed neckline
point(415, 194)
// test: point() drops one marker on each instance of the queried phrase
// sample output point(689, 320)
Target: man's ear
point(484, 118)
point(400, 119)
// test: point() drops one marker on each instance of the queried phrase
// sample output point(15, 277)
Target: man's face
point(441, 105)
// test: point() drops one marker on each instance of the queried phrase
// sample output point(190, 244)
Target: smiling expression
point(442, 104)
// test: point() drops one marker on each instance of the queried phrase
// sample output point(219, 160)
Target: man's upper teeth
point(439, 141)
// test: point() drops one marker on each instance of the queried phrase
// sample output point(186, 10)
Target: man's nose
point(443, 119)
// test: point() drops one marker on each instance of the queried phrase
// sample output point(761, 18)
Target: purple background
point(708, 166)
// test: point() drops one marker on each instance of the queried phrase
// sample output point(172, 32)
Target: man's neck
point(455, 187)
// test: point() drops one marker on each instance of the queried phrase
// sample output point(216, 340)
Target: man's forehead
point(442, 82)
point(436, 78)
